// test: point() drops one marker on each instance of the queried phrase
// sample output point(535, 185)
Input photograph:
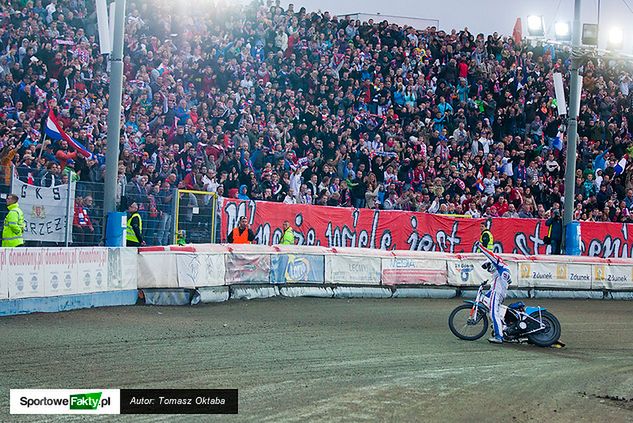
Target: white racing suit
point(498, 288)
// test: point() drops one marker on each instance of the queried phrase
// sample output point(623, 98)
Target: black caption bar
point(179, 401)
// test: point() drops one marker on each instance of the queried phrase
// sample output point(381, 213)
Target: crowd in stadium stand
point(270, 103)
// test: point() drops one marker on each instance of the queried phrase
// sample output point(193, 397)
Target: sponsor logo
point(614, 278)
point(34, 282)
point(297, 269)
point(561, 271)
point(55, 281)
point(19, 283)
point(577, 277)
point(599, 273)
point(539, 275)
point(525, 270)
point(358, 267)
point(403, 263)
point(68, 280)
point(87, 279)
point(464, 271)
point(99, 279)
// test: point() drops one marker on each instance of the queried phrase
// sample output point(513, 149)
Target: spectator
point(319, 101)
point(83, 230)
point(555, 232)
point(241, 234)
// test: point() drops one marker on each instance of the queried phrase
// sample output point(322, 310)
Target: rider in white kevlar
point(498, 288)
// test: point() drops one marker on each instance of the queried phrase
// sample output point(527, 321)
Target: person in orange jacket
point(241, 234)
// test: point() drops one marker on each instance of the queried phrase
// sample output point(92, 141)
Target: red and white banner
point(399, 230)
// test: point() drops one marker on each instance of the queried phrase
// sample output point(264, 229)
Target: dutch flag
point(558, 141)
point(480, 180)
point(54, 131)
point(620, 166)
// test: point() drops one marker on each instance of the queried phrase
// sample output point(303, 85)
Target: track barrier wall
point(58, 279)
point(256, 271)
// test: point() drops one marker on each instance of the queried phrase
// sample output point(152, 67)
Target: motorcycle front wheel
point(463, 327)
point(550, 334)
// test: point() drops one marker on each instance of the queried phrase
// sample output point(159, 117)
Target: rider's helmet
point(488, 266)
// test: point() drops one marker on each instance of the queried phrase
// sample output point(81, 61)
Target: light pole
point(114, 110)
point(572, 125)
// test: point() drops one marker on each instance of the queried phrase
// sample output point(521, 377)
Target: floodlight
point(590, 34)
point(535, 26)
point(615, 38)
point(562, 30)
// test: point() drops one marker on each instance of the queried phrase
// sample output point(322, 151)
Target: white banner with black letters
point(46, 210)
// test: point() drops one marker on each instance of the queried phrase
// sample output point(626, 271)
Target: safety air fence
point(60, 279)
point(217, 272)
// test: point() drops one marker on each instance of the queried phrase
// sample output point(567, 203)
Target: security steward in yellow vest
point(289, 235)
point(13, 229)
point(486, 238)
point(241, 234)
point(134, 233)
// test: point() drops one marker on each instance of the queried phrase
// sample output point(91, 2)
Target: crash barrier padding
point(518, 293)
point(67, 302)
point(252, 292)
point(510, 294)
point(210, 294)
point(194, 266)
point(437, 293)
point(59, 279)
point(619, 295)
point(578, 295)
point(306, 291)
point(168, 296)
point(361, 292)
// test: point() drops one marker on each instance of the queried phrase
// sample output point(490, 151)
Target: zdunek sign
point(46, 210)
point(401, 230)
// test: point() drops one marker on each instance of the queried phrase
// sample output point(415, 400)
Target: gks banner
point(46, 210)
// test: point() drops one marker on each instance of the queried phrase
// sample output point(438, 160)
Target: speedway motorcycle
point(535, 325)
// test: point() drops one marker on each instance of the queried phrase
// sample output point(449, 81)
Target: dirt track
point(330, 360)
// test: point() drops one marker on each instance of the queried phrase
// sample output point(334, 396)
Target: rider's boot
point(495, 340)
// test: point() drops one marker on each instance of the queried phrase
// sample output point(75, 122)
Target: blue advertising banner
point(297, 268)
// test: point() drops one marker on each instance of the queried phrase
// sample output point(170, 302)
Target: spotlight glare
point(562, 29)
point(535, 26)
point(615, 37)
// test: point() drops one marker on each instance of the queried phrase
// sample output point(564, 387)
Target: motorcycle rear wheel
point(462, 327)
point(548, 336)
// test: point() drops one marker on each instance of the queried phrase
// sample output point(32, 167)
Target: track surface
point(329, 360)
